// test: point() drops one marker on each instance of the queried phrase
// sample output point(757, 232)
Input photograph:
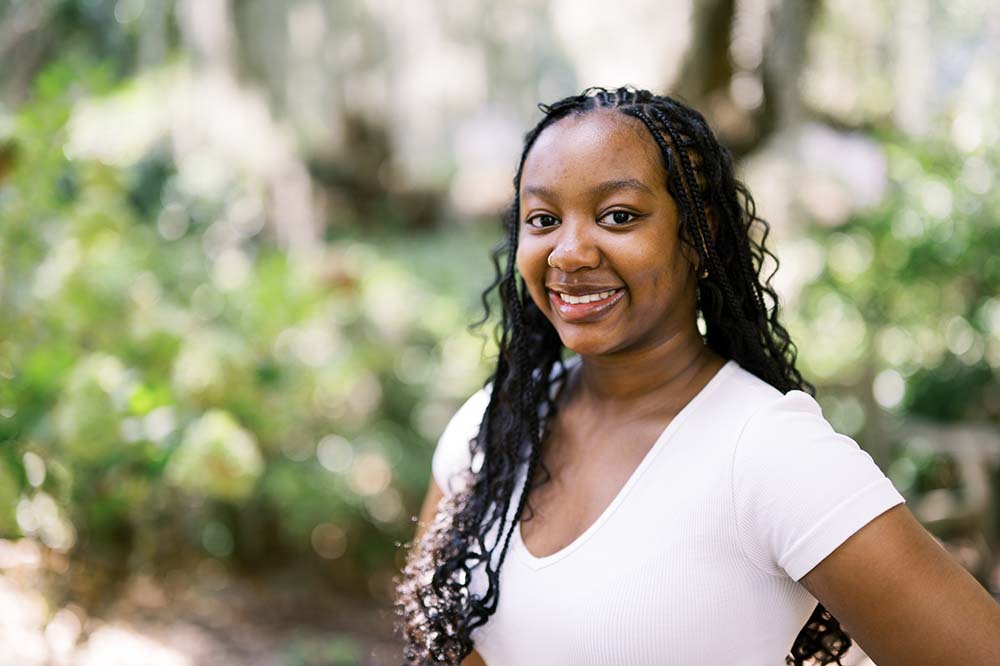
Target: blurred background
point(241, 242)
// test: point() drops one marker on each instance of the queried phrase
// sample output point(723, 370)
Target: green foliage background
point(162, 399)
point(172, 415)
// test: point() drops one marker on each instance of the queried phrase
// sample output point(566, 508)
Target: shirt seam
point(732, 496)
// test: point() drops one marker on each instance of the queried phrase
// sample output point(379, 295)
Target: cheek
point(527, 258)
point(530, 260)
point(523, 261)
point(652, 266)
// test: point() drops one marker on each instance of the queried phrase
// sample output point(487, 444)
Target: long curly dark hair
point(436, 606)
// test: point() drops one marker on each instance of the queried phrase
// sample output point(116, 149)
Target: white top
point(695, 561)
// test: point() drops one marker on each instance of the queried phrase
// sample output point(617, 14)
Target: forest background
point(241, 242)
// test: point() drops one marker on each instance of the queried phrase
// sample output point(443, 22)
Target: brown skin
point(904, 599)
point(599, 236)
point(893, 588)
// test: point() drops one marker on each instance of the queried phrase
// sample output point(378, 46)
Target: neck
point(664, 376)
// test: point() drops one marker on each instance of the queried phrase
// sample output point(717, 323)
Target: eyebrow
point(605, 188)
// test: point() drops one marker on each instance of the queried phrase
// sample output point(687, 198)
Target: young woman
point(688, 503)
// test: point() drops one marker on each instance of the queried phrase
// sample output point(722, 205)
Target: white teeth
point(587, 298)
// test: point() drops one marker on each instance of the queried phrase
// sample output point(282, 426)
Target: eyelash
point(632, 218)
point(539, 217)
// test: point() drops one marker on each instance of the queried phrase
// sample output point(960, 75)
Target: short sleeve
point(453, 453)
point(800, 489)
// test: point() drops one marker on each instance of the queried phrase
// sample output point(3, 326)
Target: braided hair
point(436, 606)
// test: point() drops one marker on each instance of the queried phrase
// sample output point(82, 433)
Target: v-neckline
point(535, 562)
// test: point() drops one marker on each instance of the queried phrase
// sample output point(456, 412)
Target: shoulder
point(799, 487)
point(741, 395)
point(453, 453)
point(790, 429)
point(785, 434)
point(759, 410)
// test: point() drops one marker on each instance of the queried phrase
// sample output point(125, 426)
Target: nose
point(575, 247)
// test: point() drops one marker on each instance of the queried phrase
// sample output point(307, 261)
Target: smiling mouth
point(585, 307)
point(587, 298)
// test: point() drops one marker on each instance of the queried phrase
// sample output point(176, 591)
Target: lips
point(584, 306)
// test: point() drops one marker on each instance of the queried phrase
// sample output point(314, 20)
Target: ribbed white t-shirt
point(696, 560)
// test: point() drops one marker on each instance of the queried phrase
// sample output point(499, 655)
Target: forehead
point(591, 148)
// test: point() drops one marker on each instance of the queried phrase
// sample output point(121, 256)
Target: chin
point(585, 343)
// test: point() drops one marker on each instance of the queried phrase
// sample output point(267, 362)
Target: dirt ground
point(204, 617)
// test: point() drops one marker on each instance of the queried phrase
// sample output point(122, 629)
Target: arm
point(429, 508)
point(427, 513)
point(905, 599)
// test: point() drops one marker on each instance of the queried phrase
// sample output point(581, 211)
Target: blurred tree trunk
point(707, 67)
point(153, 38)
point(707, 76)
point(784, 60)
point(25, 38)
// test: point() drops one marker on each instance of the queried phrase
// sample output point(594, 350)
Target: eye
point(618, 217)
point(541, 221)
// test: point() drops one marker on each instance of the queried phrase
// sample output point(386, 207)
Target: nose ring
point(549, 261)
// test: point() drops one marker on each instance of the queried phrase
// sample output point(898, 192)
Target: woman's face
point(593, 200)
